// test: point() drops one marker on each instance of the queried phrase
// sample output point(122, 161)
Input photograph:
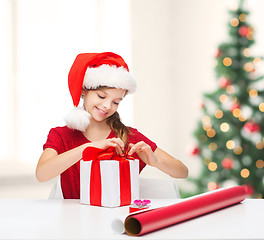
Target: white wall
point(173, 48)
point(6, 94)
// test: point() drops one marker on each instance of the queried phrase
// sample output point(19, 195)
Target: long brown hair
point(121, 131)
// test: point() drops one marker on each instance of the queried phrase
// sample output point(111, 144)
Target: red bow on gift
point(96, 155)
point(93, 153)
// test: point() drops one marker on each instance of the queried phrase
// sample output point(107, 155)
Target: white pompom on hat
point(90, 71)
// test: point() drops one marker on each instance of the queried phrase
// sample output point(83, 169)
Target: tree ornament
point(243, 31)
point(224, 82)
point(195, 151)
point(218, 53)
point(234, 106)
point(201, 105)
point(251, 127)
point(227, 163)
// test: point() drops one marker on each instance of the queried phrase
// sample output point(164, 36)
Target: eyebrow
point(107, 94)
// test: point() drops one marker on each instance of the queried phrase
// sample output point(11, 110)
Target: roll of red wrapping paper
point(140, 223)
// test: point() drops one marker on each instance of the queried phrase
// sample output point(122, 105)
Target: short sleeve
point(136, 137)
point(54, 141)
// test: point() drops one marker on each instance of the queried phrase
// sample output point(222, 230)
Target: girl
point(102, 80)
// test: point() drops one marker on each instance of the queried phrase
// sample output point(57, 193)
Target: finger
point(119, 142)
point(134, 148)
point(145, 149)
point(130, 145)
point(119, 150)
point(116, 146)
point(138, 147)
point(141, 144)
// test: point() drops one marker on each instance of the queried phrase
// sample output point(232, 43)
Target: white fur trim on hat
point(78, 118)
point(110, 76)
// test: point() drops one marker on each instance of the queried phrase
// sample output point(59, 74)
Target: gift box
point(107, 179)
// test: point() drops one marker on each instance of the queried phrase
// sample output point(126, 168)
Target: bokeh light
point(242, 17)
point(244, 173)
point(223, 98)
point(230, 89)
point(212, 146)
point(227, 61)
point(246, 52)
point(212, 186)
point(234, 22)
point(230, 144)
point(253, 93)
point(260, 145)
point(219, 114)
point(238, 150)
point(236, 112)
point(260, 163)
point(249, 67)
point(261, 107)
point(224, 127)
point(257, 60)
point(212, 166)
point(210, 133)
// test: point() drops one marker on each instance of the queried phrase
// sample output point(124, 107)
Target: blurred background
point(169, 46)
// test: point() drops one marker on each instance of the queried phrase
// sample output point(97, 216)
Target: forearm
point(51, 164)
point(168, 164)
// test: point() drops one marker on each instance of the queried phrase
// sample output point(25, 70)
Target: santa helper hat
point(91, 70)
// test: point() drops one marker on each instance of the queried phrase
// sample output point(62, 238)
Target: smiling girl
point(102, 80)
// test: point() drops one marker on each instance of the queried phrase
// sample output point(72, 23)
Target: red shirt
point(63, 139)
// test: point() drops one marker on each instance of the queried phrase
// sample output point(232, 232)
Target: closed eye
point(102, 97)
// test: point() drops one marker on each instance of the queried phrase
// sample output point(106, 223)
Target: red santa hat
point(91, 70)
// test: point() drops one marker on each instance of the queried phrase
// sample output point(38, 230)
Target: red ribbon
point(96, 155)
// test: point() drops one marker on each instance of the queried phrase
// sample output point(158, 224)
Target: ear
point(84, 91)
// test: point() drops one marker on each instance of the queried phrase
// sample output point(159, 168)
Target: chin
point(99, 118)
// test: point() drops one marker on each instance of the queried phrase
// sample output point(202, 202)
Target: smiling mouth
point(101, 111)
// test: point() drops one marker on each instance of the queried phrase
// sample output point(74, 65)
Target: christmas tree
point(230, 133)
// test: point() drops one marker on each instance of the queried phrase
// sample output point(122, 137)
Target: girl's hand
point(117, 143)
point(159, 159)
point(144, 151)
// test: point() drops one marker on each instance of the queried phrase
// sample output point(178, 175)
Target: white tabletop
point(68, 219)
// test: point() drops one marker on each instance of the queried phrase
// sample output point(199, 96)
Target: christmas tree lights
point(230, 135)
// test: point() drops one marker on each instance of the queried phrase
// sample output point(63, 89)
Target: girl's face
point(102, 103)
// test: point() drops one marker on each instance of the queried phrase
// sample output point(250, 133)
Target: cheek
point(115, 107)
point(91, 101)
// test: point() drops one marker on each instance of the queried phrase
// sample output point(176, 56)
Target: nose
point(107, 105)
